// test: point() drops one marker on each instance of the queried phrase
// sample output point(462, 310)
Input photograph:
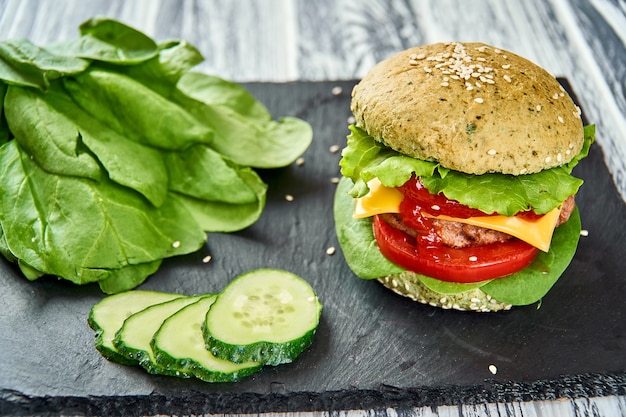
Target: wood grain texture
point(284, 40)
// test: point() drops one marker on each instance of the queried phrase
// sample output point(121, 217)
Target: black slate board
point(373, 349)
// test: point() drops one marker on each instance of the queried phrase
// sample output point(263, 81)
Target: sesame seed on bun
point(409, 285)
point(471, 107)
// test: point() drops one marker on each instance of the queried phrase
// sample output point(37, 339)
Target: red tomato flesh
point(438, 204)
point(427, 255)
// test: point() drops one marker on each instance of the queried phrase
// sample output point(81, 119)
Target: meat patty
point(566, 210)
point(461, 235)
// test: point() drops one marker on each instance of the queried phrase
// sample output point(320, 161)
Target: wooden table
point(327, 40)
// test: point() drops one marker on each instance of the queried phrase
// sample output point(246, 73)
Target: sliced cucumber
point(179, 348)
point(267, 316)
point(107, 317)
point(133, 339)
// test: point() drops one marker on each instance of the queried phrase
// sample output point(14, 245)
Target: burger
point(457, 187)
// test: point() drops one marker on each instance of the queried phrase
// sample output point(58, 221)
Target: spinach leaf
point(25, 64)
point(250, 142)
point(117, 280)
point(5, 133)
point(60, 225)
point(49, 136)
point(532, 283)
point(126, 162)
point(202, 173)
point(161, 73)
point(108, 40)
point(214, 91)
point(215, 216)
point(4, 247)
point(136, 111)
point(120, 156)
point(356, 238)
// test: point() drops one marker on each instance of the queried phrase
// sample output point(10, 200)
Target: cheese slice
point(536, 232)
point(379, 200)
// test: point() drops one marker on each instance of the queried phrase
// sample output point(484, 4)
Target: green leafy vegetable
point(364, 158)
point(85, 224)
point(54, 146)
point(25, 64)
point(115, 156)
point(356, 237)
point(136, 111)
point(251, 138)
point(227, 217)
point(522, 288)
point(107, 40)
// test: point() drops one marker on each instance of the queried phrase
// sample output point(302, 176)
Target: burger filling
point(415, 237)
point(462, 235)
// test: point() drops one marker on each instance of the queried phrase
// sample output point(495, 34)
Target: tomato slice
point(426, 255)
point(438, 204)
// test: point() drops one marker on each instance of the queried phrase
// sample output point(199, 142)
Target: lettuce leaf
point(364, 158)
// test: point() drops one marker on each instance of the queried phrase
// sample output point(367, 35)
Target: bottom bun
point(409, 285)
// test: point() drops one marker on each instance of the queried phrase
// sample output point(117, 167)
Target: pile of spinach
point(114, 155)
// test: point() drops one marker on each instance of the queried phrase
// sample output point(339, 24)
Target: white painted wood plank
point(283, 40)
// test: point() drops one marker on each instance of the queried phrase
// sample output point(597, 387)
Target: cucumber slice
point(268, 316)
point(133, 339)
point(108, 315)
point(178, 346)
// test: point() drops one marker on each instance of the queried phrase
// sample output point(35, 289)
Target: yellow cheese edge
point(538, 233)
point(534, 232)
point(379, 200)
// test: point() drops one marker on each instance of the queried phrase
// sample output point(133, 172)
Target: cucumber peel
point(134, 338)
point(179, 347)
point(108, 315)
point(272, 316)
point(267, 316)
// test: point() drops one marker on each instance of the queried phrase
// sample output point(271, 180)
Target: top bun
point(471, 107)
